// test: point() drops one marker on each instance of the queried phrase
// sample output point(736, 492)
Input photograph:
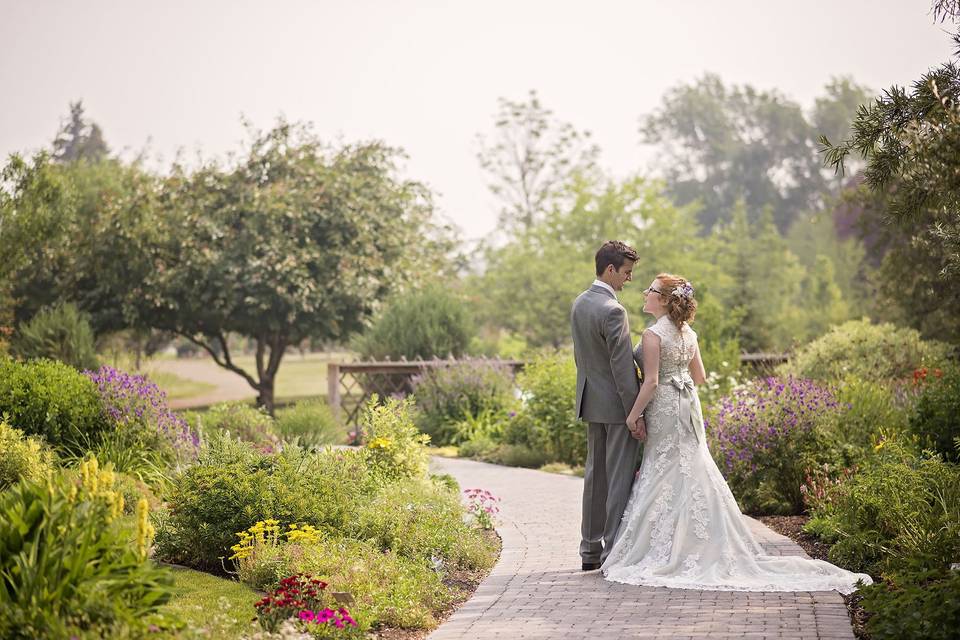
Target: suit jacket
point(607, 383)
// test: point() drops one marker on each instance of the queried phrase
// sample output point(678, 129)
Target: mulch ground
point(792, 527)
point(461, 582)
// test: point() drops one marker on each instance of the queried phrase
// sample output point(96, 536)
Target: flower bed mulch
point(462, 582)
point(792, 527)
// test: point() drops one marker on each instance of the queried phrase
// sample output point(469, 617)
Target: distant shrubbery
point(860, 349)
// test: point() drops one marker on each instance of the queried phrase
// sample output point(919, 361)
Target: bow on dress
point(684, 384)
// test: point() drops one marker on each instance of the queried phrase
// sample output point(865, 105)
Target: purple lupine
point(131, 399)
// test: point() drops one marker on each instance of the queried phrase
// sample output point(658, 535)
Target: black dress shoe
point(590, 566)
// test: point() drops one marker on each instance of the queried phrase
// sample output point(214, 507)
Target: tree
point(531, 158)
point(721, 144)
point(911, 142)
point(79, 139)
point(294, 241)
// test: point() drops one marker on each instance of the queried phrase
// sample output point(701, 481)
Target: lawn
point(179, 387)
point(210, 607)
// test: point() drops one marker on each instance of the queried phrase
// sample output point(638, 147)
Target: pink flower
point(307, 616)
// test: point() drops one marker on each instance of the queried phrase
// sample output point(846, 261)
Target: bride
point(682, 527)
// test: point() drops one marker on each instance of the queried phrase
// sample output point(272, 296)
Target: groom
point(607, 386)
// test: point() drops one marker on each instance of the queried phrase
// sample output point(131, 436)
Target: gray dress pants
point(607, 480)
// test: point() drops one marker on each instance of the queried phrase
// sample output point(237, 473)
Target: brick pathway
point(537, 589)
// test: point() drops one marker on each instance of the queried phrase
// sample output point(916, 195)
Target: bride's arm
point(650, 343)
point(697, 372)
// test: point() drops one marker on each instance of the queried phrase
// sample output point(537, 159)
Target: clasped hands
point(637, 427)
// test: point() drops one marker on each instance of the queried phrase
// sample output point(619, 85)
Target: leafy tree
point(79, 138)
point(530, 159)
point(721, 144)
point(294, 241)
point(60, 333)
point(911, 141)
point(432, 322)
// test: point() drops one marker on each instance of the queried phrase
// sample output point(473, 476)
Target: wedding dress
point(682, 527)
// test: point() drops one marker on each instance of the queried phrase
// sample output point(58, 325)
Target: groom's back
point(599, 326)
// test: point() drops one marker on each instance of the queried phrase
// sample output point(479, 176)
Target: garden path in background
point(537, 590)
point(229, 386)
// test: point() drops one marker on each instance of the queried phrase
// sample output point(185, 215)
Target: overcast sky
point(425, 75)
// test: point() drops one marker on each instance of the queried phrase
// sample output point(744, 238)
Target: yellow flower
point(380, 443)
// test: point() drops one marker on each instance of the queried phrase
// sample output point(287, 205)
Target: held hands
point(638, 428)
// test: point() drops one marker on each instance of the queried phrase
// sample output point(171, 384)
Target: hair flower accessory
point(684, 291)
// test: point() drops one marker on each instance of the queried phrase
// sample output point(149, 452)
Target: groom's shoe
point(590, 566)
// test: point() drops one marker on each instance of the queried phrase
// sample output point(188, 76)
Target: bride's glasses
point(650, 290)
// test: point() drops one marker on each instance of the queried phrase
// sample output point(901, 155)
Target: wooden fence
point(350, 385)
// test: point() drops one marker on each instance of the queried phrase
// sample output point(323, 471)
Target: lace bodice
point(677, 347)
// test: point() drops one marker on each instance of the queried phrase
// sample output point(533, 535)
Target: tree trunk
point(265, 398)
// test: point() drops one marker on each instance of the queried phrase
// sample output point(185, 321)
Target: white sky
point(425, 75)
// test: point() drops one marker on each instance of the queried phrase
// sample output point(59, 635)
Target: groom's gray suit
point(607, 386)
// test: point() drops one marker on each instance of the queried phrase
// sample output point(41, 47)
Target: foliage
point(766, 436)
point(295, 241)
point(61, 333)
point(546, 421)
point(310, 423)
point(394, 446)
point(517, 455)
point(872, 413)
point(722, 143)
point(427, 324)
point(900, 512)
point(531, 159)
point(871, 352)
point(912, 140)
point(917, 604)
point(447, 395)
point(419, 519)
point(233, 486)
point(79, 139)
point(66, 565)
point(139, 408)
point(243, 422)
point(936, 419)
point(22, 457)
point(53, 400)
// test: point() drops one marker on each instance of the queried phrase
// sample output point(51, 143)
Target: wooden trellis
point(350, 385)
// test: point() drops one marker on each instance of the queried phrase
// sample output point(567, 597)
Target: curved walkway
point(537, 590)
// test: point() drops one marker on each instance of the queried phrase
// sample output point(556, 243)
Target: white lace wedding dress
point(682, 527)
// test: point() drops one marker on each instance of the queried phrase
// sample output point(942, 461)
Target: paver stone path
point(537, 590)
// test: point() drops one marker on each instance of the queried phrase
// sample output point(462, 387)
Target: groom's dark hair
point(616, 253)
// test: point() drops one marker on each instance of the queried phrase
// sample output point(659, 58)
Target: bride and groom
point(675, 523)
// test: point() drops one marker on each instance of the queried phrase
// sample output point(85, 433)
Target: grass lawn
point(177, 387)
point(298, 376)
point(211, 607)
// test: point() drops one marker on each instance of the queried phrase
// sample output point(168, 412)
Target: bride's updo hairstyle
point(678, 296)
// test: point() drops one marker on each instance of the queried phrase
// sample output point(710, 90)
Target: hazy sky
point(425, 75)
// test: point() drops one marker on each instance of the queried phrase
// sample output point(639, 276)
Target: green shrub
point(419, 519)
point(767, 436)
point(450, 396)
point(481, 446)
point(936, 418)
point(50, 399)
point(61, 333)
point(310, 423)
point(518, 455)
point(425, 324)
point(21, 457)
point(918, 604)
point(900, 511)
point(66, 565)
point(546, 421)
point(243, 422)
point(395, 448)
point(233, 486)
point(870, 413)
point(873, 352)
